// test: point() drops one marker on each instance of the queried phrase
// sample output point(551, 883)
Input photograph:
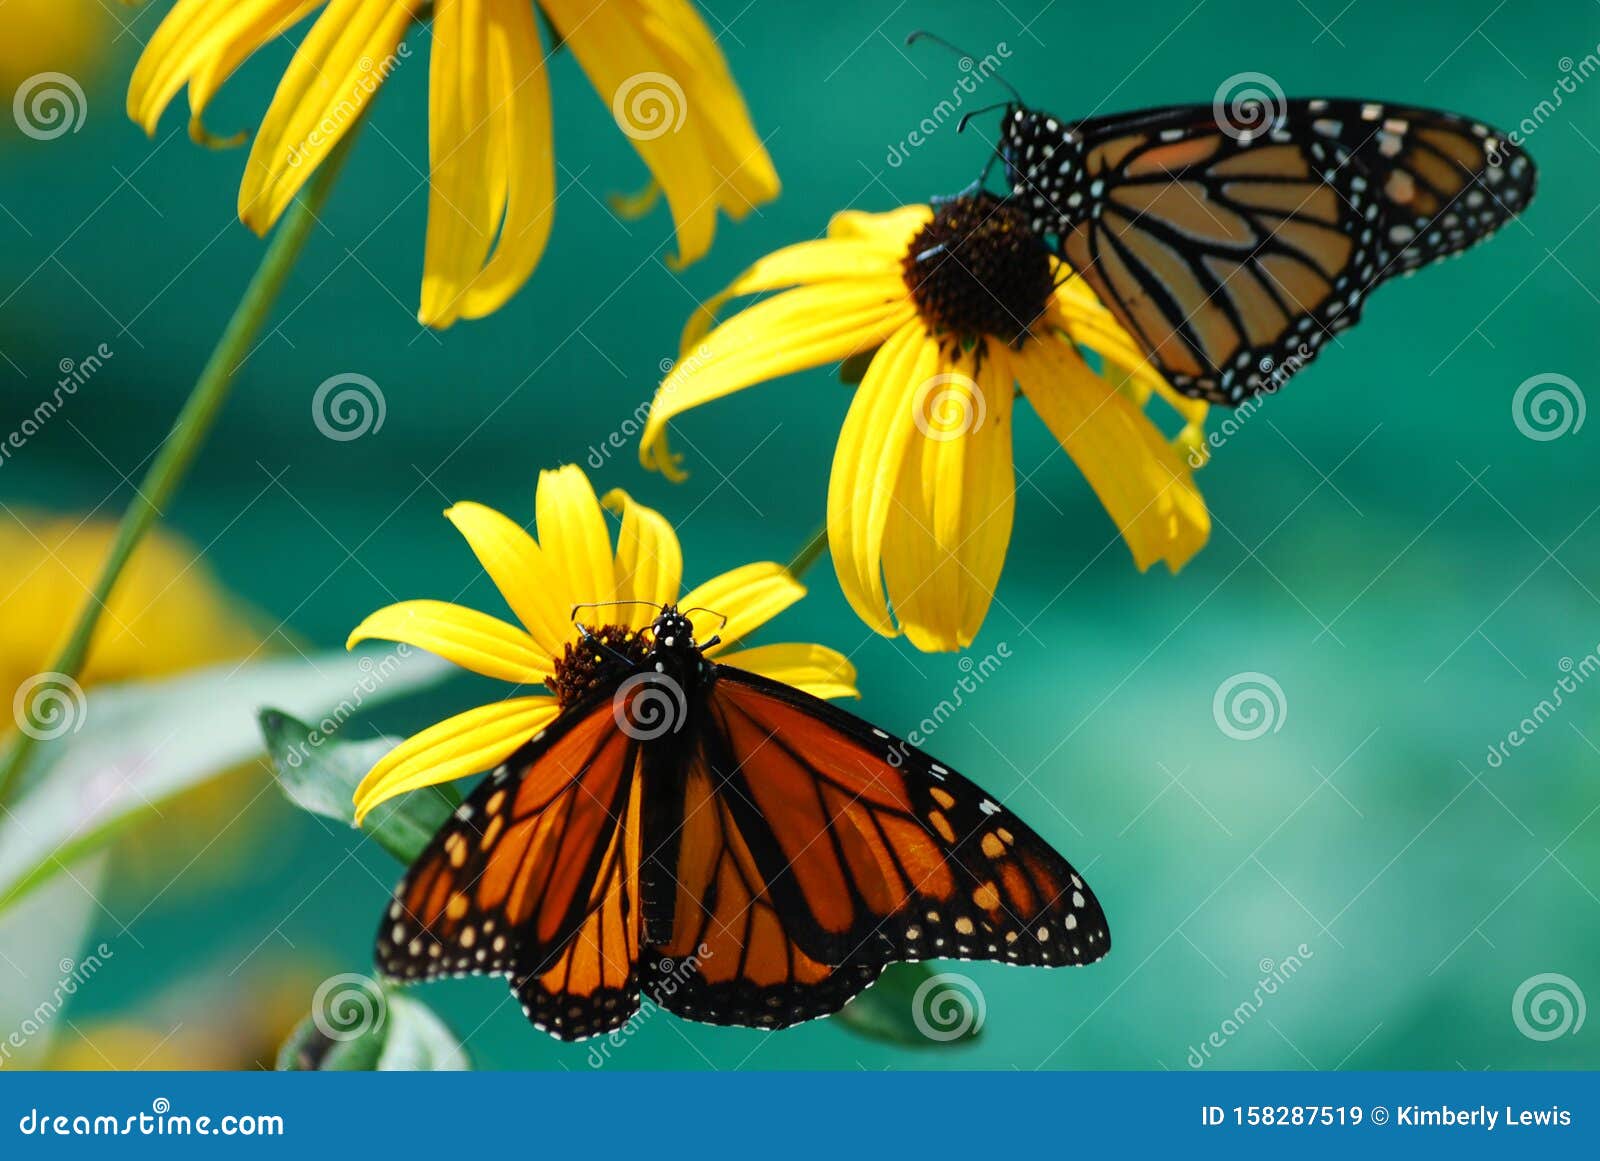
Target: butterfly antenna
point(608, 604)
point(921, 34)
point(961, 125)
point(713, 612)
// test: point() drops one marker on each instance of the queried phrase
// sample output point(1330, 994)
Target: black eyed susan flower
point(573, 563)
point(492, 161)
point(959, 309)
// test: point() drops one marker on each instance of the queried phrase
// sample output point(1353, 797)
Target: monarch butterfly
point(737, 850)
point(1233, 241)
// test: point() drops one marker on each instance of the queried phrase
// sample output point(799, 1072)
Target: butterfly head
point(673, 632)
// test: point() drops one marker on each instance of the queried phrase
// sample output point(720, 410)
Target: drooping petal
point(464, 199)
point(526, 579)
point(466, 744)
point(574, 537)
point(658, 69)
point(1141, 480)
point(200, 44)
point(344, 59)
point(873, 444)
point(794, 331)
point(513, 193)
point(748, 597)
point(649, 560)
point(734, 151)
point(466, 637)
point(820, 671)
point(954, 502)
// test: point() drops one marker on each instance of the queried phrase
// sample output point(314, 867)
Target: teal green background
point(1388, 546)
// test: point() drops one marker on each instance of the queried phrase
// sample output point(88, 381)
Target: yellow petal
point(649, 560)
point(793, 331)
point(804, 263)
point(637, 204)
point(520, 92)
point(890, 233)
point(660, 72)
point(734, 151)
point(748, 597)
point(339, 66)
point(200, 44)
point(466, 637)
point(1140, 479)
point(820, 671)
point(955, 499)
point(872, 445)
point(525, 578)
point(464, 202)
point(650, 105)
point(574, 537)
point(466, 744)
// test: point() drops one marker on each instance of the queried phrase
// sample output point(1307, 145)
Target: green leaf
point(913, 1006)
point(137, 745)
point(359, 1025)
point(320, 774)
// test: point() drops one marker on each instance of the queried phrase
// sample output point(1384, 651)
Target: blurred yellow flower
point(166, 615)
point(50, 36)
point(492, 174)
point(213, 1020)
point(573, 563)
point(958, 310)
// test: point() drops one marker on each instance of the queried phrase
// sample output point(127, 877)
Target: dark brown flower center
point(590, 661)
point(977, 269)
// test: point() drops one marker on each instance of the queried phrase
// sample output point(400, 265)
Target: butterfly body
point(1233, 244)
point(728, 846)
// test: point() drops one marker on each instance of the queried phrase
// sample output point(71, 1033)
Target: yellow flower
point(50, 37)
point(958, 310)
point(572, 563)
point(492, 159)
point(166, 615)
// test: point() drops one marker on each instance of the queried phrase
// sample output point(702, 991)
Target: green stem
point(193, 425)
point(811, 553)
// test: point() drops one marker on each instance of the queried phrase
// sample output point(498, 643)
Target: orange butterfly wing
point(806, 859)
point(1234, 252)
point(536, 878)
